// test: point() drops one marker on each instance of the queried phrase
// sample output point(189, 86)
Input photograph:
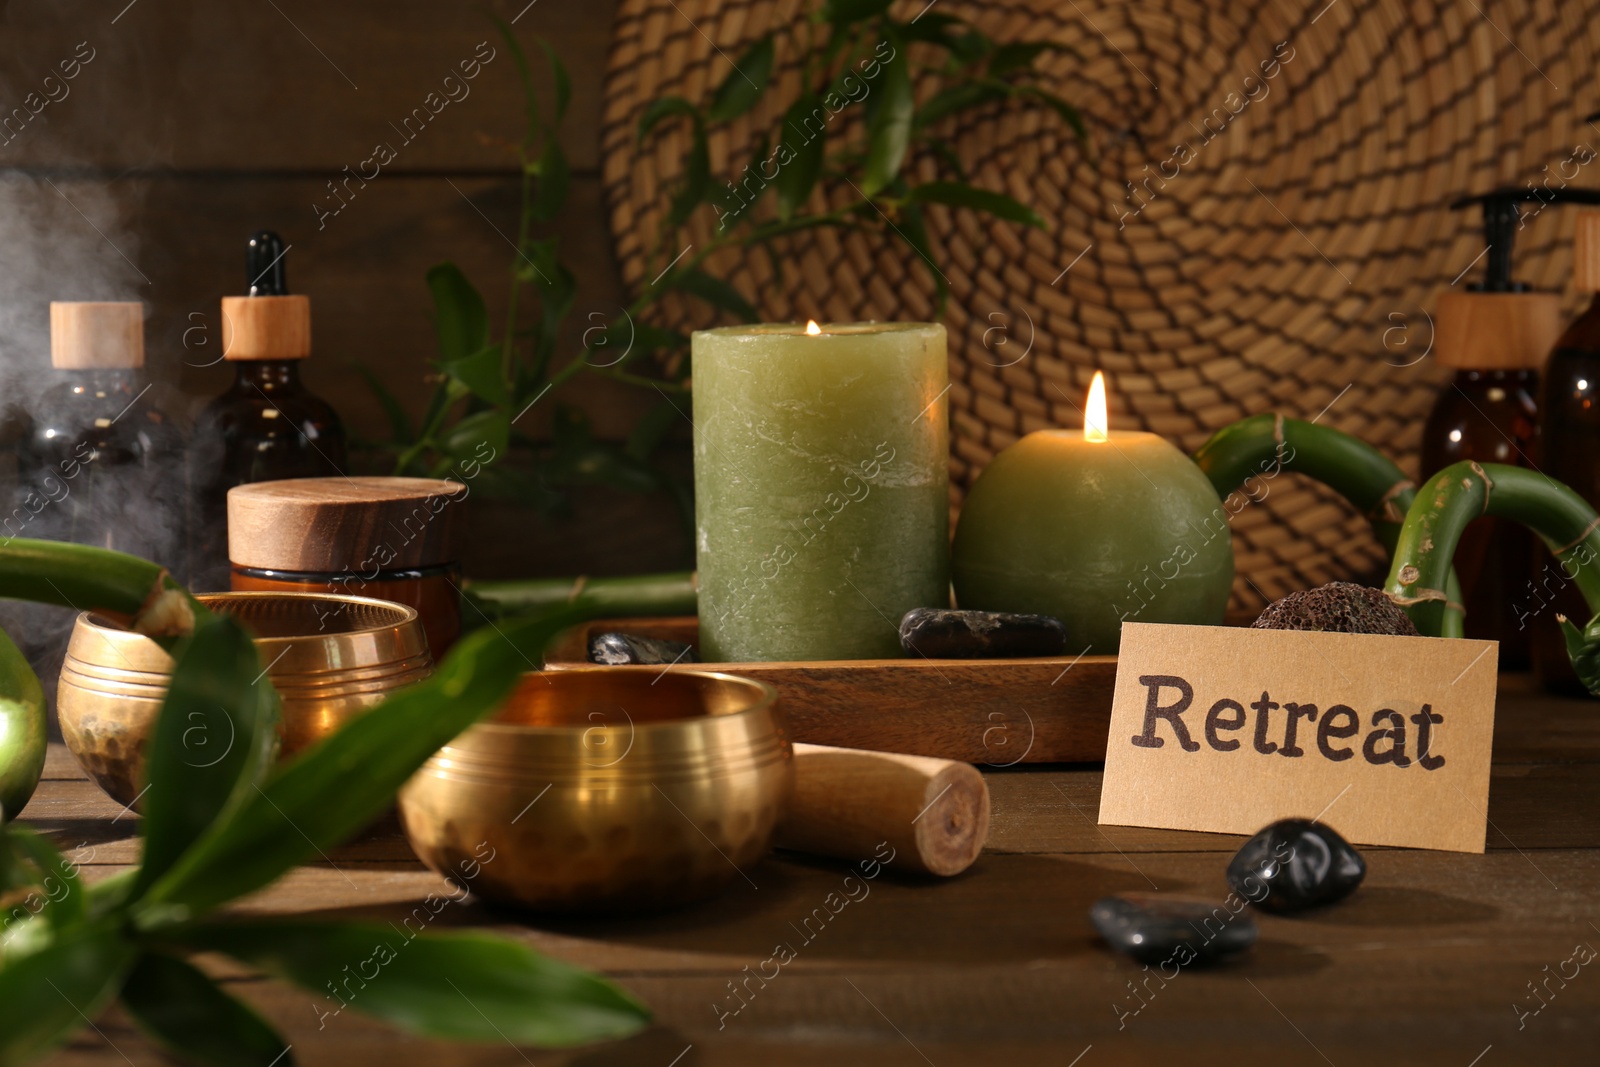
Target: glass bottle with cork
point(1495, 336)
point(1570, 453)
point(97, 461)
point(267, 425)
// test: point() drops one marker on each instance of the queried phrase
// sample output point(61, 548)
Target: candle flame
point(1096, 424)
point(812, 329)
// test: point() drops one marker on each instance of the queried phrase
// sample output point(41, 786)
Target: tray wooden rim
point(572, 648)
point(992, 712)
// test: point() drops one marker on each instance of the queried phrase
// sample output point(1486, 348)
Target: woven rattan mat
point(1288, 260)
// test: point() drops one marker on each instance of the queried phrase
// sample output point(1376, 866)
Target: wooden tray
point(993, 712)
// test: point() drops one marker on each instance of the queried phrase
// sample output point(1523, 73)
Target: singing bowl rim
point(492, 727)
point(398, 635)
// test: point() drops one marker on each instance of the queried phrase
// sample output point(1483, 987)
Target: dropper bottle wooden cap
point(267, 323)
point(96, 335)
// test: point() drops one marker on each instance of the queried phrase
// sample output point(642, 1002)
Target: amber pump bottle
point(1570, 453)
point(1495, 336)
point(267, 425)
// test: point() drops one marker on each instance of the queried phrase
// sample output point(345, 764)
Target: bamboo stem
point(647, 594)
point(1462, 492)
point(1264, 445)
point(127, 589)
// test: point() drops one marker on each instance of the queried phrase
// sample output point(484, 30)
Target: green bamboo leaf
point(481, 373)
point(932, 28)
point(559, 75)
point(1069, 114)
point(914, 231)
point(744, 85)
point(800, 153)
point(842, 11)
point(1016, 55)
point(956, 194)
point(182, 1008)
point(23, 729)
point(970, 47)
point(459, 317)
point(329, 792)
point(399, 421)
point(466, 438)
point(49, 995)
point(60, 895)
point(768, 231)
point(955, 99)
point(713, 291)
point(464, 987)
point(649, 430)
point(530, 93)
point(696, 178)
point(655, 338)
point(661, 108)
point(554, 179)
point(948, 156)
point(214, 740)
point(889, 131)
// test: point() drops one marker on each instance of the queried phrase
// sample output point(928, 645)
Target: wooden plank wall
point(189, 125)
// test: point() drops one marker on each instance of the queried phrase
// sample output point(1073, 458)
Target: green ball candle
point(1094, 528)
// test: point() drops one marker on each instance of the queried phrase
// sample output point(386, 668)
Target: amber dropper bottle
point(267, 425)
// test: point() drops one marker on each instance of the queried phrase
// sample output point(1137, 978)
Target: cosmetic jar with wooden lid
point(392, 539)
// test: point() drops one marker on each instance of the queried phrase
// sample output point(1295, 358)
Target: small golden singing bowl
point(601, 790)
point(330, 657)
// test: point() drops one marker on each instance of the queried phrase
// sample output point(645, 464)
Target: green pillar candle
point(1094, 528)
point(821, 463)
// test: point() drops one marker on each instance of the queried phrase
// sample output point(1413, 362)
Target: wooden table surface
point(1429, 963)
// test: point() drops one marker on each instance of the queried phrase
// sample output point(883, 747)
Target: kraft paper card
point(1224, 729)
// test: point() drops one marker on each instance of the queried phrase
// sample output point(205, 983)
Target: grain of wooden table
point(1427, 964)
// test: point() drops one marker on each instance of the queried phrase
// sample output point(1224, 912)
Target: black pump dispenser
point(1502, 218)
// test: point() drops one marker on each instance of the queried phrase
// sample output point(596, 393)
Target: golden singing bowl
point(615, 791)
point(330, 658)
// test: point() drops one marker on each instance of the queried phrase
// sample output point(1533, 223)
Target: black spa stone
point(1295, 864)
point(618, 650)
point(1182, 932)
point(942, 633)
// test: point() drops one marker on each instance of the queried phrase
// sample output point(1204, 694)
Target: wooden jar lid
point(1496, 331)
point(91, 335)
point(334, 525)
point(266, 327)
point(1586, 253)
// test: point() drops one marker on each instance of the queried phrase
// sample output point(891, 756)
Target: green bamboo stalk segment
point(22, 730)
point(646, 594)
point(1462, 492)
point(1264, 445)
point(126, 589)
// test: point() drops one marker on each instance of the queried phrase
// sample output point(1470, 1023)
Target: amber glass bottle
point(1569, 453)
point(267, 426)
point(1495, 334)
point(1490, 416)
